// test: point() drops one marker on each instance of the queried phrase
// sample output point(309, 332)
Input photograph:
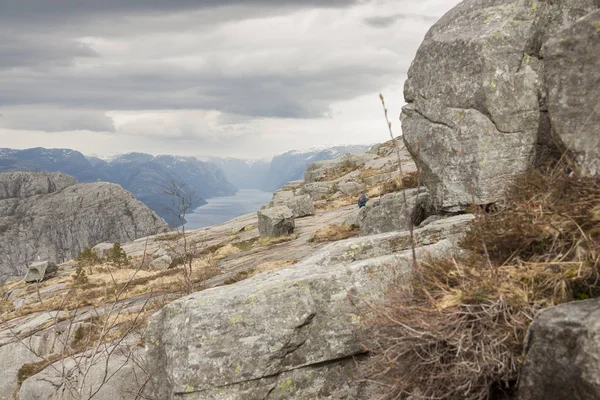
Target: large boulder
point(350, 187)
point(56, 226)
point(476, 116)
point(395, 212)
point(572, 60)
point(318, 189)
point(162, 262)
point(287, 333)
point(38, 271)
point(301, 206)
point(102, 249)
point(276, 221)
point(563, 354)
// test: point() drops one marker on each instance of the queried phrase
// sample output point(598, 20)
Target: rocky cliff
point(50, 217)
point(142, 174)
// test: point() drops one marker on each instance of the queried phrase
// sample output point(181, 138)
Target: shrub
point(87, 258)
point(458, 331)
point(117, 256)
point(80, 278)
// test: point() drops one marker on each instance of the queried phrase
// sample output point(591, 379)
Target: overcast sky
point(241, 78)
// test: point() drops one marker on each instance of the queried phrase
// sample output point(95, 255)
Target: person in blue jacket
point(362, 200)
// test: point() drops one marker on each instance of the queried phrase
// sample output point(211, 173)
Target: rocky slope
point(50, 217)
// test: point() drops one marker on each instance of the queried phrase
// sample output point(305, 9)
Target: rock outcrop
point(276, 221)
point(391, 213)
point(24, 184)
point(573, 79)
point(57, 225)
point(39, 270)
point(301, 206)
point(563, 354)
point(477, 113)
point(288, 333)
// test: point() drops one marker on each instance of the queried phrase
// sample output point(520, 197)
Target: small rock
point(276, 221)
point(101, 250)
point(301, 206)
point(350, 187)
point(390, 212)
point(162, 263)
point(38, 271)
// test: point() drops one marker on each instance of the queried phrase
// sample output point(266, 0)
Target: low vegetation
point(263, 267)
point(458, 332)
point(332, 233)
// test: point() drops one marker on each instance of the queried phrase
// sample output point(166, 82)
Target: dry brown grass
point(330, 205)
point(332, 233)
point(226, 251)
point(271, 241)
point(458, 332)
point(260, 268)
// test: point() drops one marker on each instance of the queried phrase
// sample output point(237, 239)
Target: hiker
point(362, 200)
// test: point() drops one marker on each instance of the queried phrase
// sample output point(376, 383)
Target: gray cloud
point(241, 67)
point(51, 119)
point(385, 21)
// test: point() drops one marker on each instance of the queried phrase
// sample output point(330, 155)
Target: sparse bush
point(332, 233)
point(458, 331)
point(117, 256)
point(87, 258)
point(80, 277)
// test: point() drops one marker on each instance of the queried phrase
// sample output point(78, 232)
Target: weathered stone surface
point(318, 189)
point(276, 221)
point(25, 184)
point(563, 354)
point(573, 78)
point(123, 380)
point(12, 357)
point(102, 249)
point(350, 187)
point(375, 179)
point(162, 262)
point(301, 206)
point(476, 98)
point(269, 333)
point(321, 170)
point(40, 270)
point(280, 197)
point(57, 226)
point(391, 213)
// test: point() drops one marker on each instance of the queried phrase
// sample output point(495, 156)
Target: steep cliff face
point(48, 216)
point(23, 184)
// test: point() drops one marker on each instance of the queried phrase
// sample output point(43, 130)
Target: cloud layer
point(244, 78)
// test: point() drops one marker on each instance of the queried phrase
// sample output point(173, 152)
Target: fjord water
point(222, 209)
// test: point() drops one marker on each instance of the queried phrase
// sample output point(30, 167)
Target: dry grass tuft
point(334, 204)
point(270, 241)
point(263, 267)
point(332, 233)
point(226, 251)
point(458, 331)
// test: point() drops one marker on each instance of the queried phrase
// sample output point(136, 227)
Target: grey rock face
point(162, 263)
point(476, 115)
point(276, 221)
point(123, 380)
point(391, 213)
point(318, 189)
point(280, 197)
point(24, 184)
point(40, 270)
point(102, 249)
point(301, 206)
point(563, 353)
point(288, 332)
point(57, 226)
point(573, 79)
point(350, 187)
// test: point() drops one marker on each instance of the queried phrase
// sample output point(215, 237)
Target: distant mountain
point(244, 174)
point(272, 175)
point(290, 166)
point(142, 174)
